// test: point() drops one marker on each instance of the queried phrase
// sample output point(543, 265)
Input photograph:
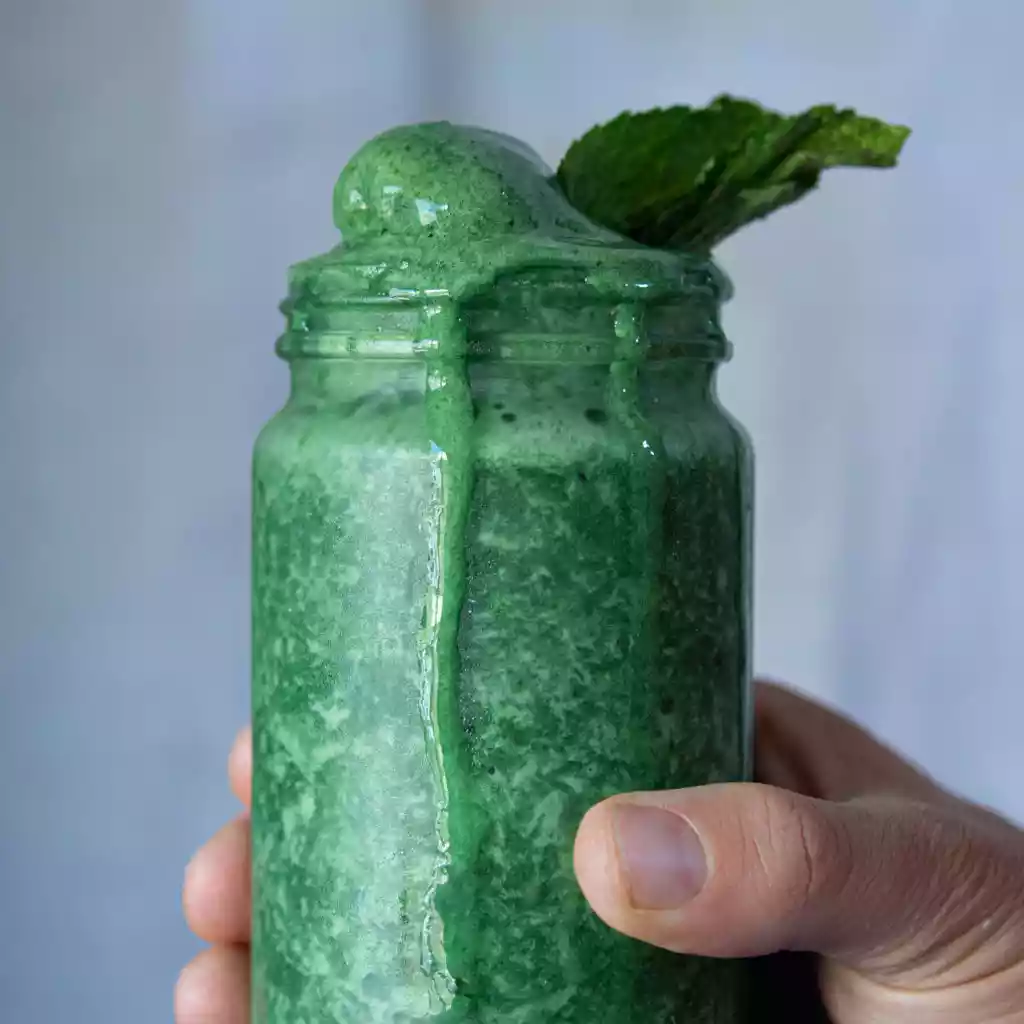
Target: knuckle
point(800, 852)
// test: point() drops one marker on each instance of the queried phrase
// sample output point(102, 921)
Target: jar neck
point(319, 381)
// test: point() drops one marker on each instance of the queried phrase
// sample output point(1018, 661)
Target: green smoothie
point(501, 571)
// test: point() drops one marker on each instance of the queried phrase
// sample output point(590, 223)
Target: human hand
point(914, 898)
point(214, 987)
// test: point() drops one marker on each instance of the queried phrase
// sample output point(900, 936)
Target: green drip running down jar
point(501, 571)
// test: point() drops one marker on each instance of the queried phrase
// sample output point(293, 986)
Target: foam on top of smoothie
point(432, 210)
point(447, 184)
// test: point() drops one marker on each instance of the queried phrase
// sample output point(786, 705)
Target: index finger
point(240, 767)
point(809, 748)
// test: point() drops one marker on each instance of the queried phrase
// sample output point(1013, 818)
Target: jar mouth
point(561, 310)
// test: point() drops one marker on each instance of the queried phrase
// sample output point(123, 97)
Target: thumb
point(886, 884)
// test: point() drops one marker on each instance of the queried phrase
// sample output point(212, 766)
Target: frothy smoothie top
point(432, 210)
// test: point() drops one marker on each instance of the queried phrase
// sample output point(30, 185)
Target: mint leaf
point(687, 177)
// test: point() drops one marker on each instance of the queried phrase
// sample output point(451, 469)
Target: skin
point(913, 898)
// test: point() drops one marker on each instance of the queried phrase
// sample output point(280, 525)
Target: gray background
point(162, 163)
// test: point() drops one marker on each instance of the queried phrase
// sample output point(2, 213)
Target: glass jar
point(501, 571)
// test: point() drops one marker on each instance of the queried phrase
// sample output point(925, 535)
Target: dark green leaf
point(687, 177)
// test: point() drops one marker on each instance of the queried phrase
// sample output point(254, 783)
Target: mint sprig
point(687, 177)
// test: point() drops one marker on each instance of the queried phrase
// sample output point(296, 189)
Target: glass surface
point(501, 571)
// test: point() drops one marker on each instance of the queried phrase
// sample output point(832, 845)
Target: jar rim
point(326, 316)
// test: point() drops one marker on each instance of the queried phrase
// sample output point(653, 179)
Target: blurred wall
point(162, 163)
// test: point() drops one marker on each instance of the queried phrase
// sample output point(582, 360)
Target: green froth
point(500, 572)
point(448, 185)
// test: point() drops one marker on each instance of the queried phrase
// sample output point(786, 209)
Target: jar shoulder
point(302, 434)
